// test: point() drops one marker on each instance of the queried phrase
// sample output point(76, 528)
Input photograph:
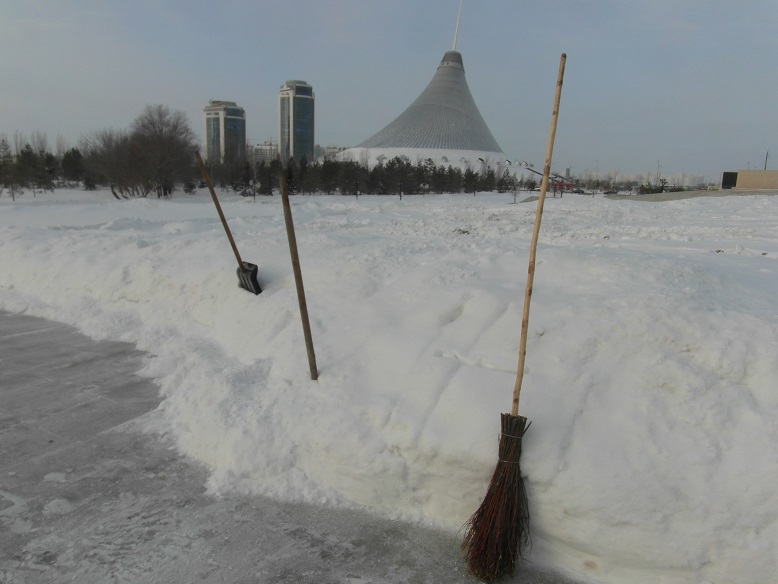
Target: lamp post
point(516, 181)
point(521, 164)
point(531, 167)
point(483, 173)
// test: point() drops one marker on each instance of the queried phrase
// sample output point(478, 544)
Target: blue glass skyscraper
point(225, 132)
point(296, 121)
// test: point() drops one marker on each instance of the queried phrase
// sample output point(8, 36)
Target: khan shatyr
point(442, 124)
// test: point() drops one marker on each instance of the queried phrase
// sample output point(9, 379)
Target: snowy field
point(652, 363)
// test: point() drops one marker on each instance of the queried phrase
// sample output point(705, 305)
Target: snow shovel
point(247, 272)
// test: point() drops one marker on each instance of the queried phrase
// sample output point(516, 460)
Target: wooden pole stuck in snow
point(298, 279)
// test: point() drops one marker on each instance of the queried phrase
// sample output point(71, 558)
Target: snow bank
point(651, 366)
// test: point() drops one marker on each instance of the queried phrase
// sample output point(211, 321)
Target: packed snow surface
point(652, 362)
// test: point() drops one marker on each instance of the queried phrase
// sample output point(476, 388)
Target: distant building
point(296, 121)
point(225, 131)
point(327, 152)
point(442, 125)
point(267, 151)
point(750, 180)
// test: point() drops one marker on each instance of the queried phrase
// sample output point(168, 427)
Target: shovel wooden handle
point(298, 279)
point(534, 243)
point(208, 182)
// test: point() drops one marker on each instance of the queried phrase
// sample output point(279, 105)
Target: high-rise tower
point(296, 121)
point(225, 131)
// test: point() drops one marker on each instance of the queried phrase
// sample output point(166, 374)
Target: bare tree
point(153, 156)
point(6, 165)
point(110, 155)
point(61, 146)
point(164, 144)
point(19, 140)
point(39, 142)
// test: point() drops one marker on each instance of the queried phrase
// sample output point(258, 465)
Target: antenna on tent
point(456, 32)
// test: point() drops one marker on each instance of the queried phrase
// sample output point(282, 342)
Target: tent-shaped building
point(443, 124)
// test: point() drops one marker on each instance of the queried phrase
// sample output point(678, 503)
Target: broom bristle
point(498, 531)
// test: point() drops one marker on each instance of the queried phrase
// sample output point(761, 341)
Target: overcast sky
point(686, 85)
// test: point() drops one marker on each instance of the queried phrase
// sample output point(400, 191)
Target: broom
point(498, 531)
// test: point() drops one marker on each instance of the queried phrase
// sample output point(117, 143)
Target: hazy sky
point(688, 85)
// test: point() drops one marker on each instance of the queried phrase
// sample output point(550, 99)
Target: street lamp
point(520, 164)
point(531, 167)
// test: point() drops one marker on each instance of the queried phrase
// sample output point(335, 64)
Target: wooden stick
point(208, 182)
point(298, 278)
point(534, 242)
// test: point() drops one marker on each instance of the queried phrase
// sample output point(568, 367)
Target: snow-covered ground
point(652, 364)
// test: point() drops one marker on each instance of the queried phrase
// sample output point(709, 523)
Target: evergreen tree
point(6, 164)
point(392, 176)
point(348, 178)
point(470, 181)
point(488, 180)
point(265, 178)
point(439, 180)
point(329, 176)
point(73, 169)
point(26, 167)
point(506, 182)
point(375, 180)
point(455, 180)
point(302, 168)
point(310, 180)
point(291, 177)
point(46, 171)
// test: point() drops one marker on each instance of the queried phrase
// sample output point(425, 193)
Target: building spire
point(456, 31)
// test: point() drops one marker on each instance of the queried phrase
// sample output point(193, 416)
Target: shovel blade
point(247, 278)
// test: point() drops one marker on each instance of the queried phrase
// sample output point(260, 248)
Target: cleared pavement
point(88, 495)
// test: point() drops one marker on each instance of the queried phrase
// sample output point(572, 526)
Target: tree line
point(397, 176)
point(156, 156)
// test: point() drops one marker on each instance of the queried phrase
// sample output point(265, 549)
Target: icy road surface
point(89, 495)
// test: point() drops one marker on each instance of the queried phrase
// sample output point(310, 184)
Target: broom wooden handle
point(534, 243)
point(208, 182)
